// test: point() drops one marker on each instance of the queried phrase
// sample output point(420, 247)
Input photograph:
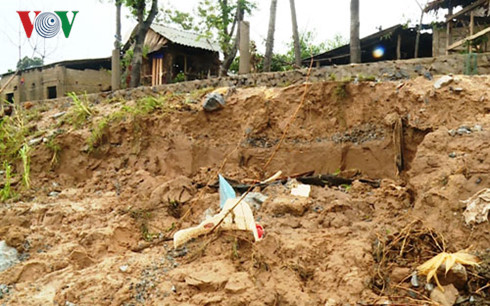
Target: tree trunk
point(116, 63)
point(269, 45)
point(297, 47)
point(141, 30)
point(355, 42)
point(230, 55)
point(137, 58)
point(117, 43)
point(417, 39)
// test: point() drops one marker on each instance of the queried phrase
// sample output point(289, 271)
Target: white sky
point(93, 31)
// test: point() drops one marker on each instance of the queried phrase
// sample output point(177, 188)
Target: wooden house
point(466, 27)
point(177, 55)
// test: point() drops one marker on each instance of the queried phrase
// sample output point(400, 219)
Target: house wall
point(36, 82)
point(87, 80)
point(199, 63)
point(440, 36)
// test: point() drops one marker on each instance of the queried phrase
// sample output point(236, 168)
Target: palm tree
point(269, 45)
point(355, 43)
point(297, 47)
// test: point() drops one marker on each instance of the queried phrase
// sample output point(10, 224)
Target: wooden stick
point(8, 82)
point(462, 41)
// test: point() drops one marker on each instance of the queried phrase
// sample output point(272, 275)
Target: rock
point(464, 130)
point(477, 207)
point(210, 276)
point(429, 287)
point(443, 81)
point(207, 280)
point(172, 194)
point(428, 75)
point(452, 133)
point(282, 205)
point(80, 259)
point(414, 280)
point(53, 194)
point(458, 89)
point(331, 302)
point(477, 128)
point(452, 155)
point(124, 268)
point(446, 298)
point(399, 274)
point(456, 276)
point(8, 256)
point(57, 115)
point(213, 102)
point(255, 199)
point(35, 141)
point(238, 282)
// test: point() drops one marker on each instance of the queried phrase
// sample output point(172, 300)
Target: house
point(466, 27)
point(176, 54)
point(56, 80)
point(397, 42)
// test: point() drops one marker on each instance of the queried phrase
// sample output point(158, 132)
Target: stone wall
point(388, 70)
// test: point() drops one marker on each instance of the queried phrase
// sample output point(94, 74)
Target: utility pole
point(355, 42)
point(116, 61)
point(244, 47)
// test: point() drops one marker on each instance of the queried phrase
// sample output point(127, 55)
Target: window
point(52, 92)
point(10, 97)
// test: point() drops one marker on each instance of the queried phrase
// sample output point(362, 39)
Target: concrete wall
point(33, 84)
point(91, 81)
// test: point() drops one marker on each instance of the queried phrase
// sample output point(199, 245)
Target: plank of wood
point(8, 82)
point(398, 145)
point(466, 10)
point(462, 41)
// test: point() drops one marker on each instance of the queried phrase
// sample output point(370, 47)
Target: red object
point(26, 21)
point(260, 231)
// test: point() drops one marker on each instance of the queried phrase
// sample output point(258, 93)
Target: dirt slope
point(81, 228)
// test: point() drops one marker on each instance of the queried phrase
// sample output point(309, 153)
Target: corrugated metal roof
point(444, 4)
point(185, 38)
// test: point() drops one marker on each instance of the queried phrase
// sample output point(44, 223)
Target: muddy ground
point(93, 228)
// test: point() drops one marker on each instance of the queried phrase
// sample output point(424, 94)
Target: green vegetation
point(6, 192)
point(81, 110)
point(25, 154)
point(55, 148)
point(97, 133)
point(144, 106)
point(143, 217)
point(13, 133)
point(28, 62)
point(340, 92)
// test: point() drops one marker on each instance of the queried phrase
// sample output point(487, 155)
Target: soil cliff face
point(92, 229)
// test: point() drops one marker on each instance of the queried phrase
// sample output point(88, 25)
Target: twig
point(482, 288)
point(292, 118)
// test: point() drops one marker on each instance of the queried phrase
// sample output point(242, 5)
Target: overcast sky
point(93, 30)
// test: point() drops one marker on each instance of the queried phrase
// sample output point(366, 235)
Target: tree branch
point(152, 14)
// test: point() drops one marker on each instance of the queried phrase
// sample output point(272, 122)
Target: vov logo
point(47, 24)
